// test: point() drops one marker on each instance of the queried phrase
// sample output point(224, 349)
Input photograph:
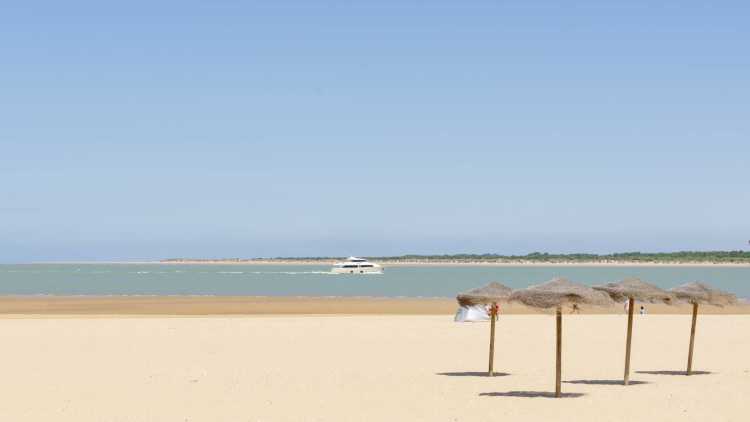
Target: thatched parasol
point(489, 294)
point(557, 293)
point(632, 289)
point(698, 293)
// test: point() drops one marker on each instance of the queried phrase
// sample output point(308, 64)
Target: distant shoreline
point(411, 263)
point(438, 263)
point(678, 258)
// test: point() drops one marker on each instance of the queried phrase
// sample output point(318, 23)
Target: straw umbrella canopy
point(632, 289)
point(557, 293)
point(490, 294)
point(697, 293)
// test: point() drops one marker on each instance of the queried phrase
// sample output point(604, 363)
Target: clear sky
point(153, 129)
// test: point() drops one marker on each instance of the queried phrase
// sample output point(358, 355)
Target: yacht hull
point(372, 270)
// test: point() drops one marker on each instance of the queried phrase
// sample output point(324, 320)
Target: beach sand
point(277, 305)
point(367, 368)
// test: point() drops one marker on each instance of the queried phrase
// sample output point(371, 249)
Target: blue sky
point(211, 129)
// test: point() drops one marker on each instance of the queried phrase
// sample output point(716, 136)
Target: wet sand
point(258, 305)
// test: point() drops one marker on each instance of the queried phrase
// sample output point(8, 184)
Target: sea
point(316, 280)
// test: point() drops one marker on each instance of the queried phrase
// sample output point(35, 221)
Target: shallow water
point(310, 280)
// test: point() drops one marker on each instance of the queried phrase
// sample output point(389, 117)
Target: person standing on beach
point(627, 305)
point(494, 310)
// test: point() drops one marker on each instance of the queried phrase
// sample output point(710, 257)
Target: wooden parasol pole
point(692, 339)
point(558, 365)
point(493, 315)
point(631, 305)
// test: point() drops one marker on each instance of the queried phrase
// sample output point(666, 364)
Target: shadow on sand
point(683, 373)
point(604, 382)
point(532, 394)
point(472, 374)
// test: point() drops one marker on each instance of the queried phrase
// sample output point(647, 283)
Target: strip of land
point(259, 305)
point(417, 263)
point(447, 263)
point(701, 258)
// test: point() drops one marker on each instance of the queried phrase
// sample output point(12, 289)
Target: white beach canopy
point(557, 293)
point(632, 289)
point(697, 293)
point(476, 313)
point(491, 294)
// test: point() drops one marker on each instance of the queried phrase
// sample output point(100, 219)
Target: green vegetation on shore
point(536, 257)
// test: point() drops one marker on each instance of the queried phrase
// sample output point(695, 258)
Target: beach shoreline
point(45, 305)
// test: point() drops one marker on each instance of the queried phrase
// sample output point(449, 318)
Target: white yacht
point(354, 265)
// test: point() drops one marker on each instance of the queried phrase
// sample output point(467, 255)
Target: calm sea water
point(276, 280)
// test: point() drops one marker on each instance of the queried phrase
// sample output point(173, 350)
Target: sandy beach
point(367, 368)
point(24, 306)
point(253, 211)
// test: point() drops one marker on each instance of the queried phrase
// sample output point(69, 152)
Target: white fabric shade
point(472, 314)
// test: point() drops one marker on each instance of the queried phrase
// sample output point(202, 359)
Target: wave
point(304, 272)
